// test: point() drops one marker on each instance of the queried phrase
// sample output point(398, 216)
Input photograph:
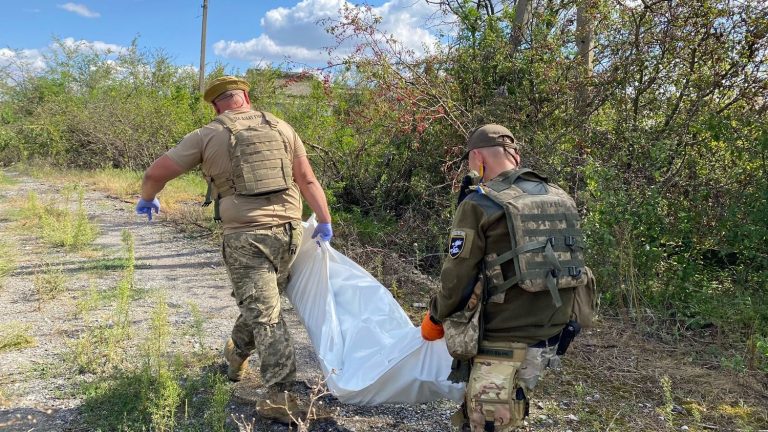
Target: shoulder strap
point(271, 120)
point(228, 121)
point(503, 183)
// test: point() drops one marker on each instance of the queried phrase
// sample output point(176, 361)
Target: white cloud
point(16, 61)
point(97, 46)
point(298, 33)
point(79, 9)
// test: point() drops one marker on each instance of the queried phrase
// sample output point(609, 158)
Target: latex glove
point(146, 207)
point(324, 231)
point(431, 331)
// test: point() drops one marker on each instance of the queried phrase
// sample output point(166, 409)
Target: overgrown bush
point(99, 109)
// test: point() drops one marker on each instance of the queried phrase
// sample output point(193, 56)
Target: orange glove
point(431, 331)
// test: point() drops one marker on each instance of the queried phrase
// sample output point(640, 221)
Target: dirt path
point(613, 379)
point(184, 270)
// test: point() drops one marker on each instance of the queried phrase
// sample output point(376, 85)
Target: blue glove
point(146, 207)
point(323, 230)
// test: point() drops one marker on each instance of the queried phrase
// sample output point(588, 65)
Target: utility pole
point(202, 47)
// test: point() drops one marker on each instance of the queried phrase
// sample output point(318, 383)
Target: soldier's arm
point(310, 188)
point(162, 170)
point(186, 155)
point(462, 265)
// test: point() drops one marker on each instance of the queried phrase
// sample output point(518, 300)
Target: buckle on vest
point(574, 272)
point(555, 273)
point(551, 241)
point(570, 241)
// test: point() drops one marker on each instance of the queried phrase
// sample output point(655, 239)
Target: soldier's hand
point(146, 207)
point(430, 330)
point(324, 231)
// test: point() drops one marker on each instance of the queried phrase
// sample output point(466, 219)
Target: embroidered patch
point(456, 245)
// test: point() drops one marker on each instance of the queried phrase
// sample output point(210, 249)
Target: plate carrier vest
point(257, 153)
point(547, 245)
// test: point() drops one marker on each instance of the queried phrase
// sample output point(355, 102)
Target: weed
point(735, 363)
point(196, 327)
point(378, 265)
point(130, 254)
point(66, 228)
point(761, 346)
point(695, 409)
point(125, 286)
point(319, 389)
point(118, 182)
point(15, 336)
point(150, 394)
point(31, 210)
point(61, 227)
point(740, 413)
point(244, 425)
point(165, 394)
point(7, 261)
point(5, 180)
point(216, 414)
point(100, 348)
point(666, 393)
point(395, 291)
point(156, 343)
point(49, 283)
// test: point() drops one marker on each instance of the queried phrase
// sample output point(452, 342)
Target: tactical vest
point(257, 154)
point(546, 240)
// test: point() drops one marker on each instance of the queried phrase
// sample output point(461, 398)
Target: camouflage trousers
point(500, 383)
point(258, 263)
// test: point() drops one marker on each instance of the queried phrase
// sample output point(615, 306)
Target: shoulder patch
point(457, 242)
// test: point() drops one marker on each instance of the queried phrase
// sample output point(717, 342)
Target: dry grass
point(616, 379)
point(15, 336)
point(180, 200)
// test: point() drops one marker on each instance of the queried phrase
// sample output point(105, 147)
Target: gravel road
point(38, 393)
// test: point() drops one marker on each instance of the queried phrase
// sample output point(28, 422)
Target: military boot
point(282, 407)
point(237, 367)
point(459, 422)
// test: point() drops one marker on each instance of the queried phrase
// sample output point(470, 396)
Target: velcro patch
point(456, 244)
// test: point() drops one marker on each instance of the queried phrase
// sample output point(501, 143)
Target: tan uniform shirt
point(209, 146)
point(523, 316)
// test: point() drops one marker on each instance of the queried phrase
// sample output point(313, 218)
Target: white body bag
point(369, 351)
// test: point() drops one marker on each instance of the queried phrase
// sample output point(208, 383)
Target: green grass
point(150, 387)
point(5, 180)
point(15, 336)
point(49, 282)
point(56, 222)
point(162, 391)
point(67, 228)
point(101, 348)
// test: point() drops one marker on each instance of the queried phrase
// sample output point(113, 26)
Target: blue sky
point(241, 33)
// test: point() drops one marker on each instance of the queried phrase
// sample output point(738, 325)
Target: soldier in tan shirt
point(261, 213)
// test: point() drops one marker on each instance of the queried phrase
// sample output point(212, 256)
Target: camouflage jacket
point(479, 228)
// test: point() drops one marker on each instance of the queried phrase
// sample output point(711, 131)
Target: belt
point(553, 341)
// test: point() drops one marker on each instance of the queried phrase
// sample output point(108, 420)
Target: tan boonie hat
point(490, 135)
point(223, 84)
